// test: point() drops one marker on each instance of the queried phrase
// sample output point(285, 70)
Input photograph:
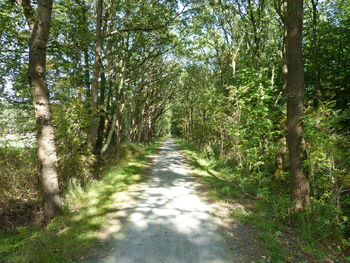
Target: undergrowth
point(286, 237)
point(86, 208)
point(18, 172)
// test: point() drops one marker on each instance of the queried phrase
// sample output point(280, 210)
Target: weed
point(86, 209)
point(286, 237)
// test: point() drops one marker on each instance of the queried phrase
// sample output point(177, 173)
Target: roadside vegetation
point(86, 207)
point(260, 87)
point(286, 237)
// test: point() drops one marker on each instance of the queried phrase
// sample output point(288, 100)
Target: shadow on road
point(168, 222)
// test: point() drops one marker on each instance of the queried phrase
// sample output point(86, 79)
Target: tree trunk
point(279, 162)
point(92, 135)
point(86, 73)
point(110, 133)
point(118, 108)
point(102, 118)
point(117, 131)
point(40, 27)
point(234, 56)
point(316, 60)
point(295, 105)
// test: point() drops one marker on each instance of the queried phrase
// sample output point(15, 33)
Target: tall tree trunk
point(39, 25)
point(92, 135)
point(102, 117)
point(234, 56)
point(300, 187)
point(118, 106)
point(316, 60)
point(111, 132)
point(84, 9)
point(86, 73)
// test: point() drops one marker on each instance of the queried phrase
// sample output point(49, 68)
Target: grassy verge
point(283, 241)
point(86, 210)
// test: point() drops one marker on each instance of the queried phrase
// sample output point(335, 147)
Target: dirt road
point(170, 223)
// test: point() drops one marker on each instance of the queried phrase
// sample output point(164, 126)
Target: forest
point(256, 90)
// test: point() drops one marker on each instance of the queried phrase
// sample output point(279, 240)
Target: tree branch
point(28, 12)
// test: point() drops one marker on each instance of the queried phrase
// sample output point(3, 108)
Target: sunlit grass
point(221, 184)
point(86, 210)
point(283, 241)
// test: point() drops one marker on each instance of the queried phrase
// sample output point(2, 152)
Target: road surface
point(170, 223)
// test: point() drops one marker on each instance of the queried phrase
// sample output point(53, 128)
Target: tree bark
point(300, 187)
point(86, 73)
point(84, 9)
point(40, 27)
point(102, 117)
point(316, 59)
point(118, 108)
point(92, 135)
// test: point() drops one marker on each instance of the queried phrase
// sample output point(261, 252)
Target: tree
point(92, 135)
point(300, 187)
point(39, 25)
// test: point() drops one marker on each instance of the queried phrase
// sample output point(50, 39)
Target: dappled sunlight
point(88, 217)
point(169, 222)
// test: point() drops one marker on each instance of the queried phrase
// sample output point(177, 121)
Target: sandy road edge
point(231, 229)
point(115, 219)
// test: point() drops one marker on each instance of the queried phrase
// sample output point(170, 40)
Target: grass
point(17, 172)
point(225, 183)
point(86, 212)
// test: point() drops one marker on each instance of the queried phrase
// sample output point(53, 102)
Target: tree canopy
point(262, 85)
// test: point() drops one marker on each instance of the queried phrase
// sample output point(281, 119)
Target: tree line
point(260, 84)
point(97, 73)
point(266, 92)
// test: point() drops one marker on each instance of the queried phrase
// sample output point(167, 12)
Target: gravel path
point(170, 223)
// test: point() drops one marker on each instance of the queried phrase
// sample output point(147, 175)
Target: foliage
point(87, 208)
point(209, 71)
point(134, 89)
point(16, 162)
point(232, 106)
point(287, 237)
